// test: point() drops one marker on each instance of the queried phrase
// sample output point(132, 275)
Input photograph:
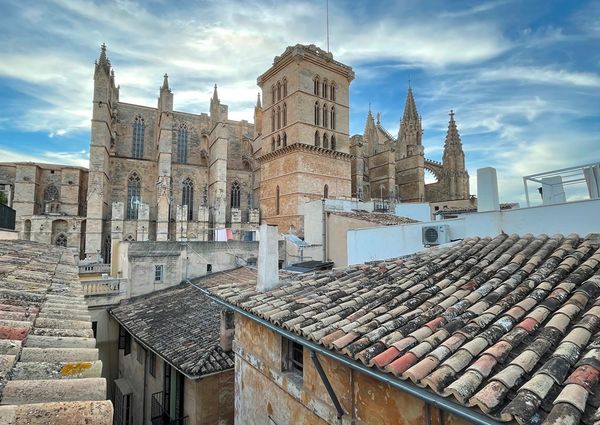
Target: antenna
point(327, 7)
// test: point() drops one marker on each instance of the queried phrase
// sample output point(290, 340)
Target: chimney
point(487, 190)
point(227, 330)
point(268, 259)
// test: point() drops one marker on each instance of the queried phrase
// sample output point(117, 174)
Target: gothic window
point(284, 114)
point(182, 144)
point(285, 92)
point(325, 191)
point(325, 113)
point(272, 143)
point(235, 195)
point(187, 197)
point(273, 119)
point(317, 139)
point(273, 94)
point(277, 201)
point(317, 113)
point(332, 91)
point(333, 142)
point(138, 137)
point(205, 195)
point(278, 91)
point(60, 240)
point(106, 249)
point(278, 141)
point(324, 91)
point(278, 117)
point(51, 193)
point(325, 141)
point(284, 140)
point(332, 123)
point(316, 86)
point(134, 190)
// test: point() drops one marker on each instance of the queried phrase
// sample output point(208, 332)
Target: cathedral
point(384, 167)
point(160, 174)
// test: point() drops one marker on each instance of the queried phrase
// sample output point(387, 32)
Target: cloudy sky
point(523, 76)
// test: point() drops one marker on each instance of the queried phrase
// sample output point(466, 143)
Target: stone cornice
point(302, 147)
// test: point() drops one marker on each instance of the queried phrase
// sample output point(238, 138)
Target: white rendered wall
point(581, 217)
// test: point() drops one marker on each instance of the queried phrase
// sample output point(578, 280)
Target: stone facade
point(49, 201)
point(394, 168)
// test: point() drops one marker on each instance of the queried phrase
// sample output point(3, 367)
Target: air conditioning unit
point(436, 235)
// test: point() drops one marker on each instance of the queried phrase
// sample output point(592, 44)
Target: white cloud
point(543, 75)
point(80, 158)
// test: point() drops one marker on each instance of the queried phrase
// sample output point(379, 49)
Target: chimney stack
point(268, 259)
point(487, 190)
point(227, 330)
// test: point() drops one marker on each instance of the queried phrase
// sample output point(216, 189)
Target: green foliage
point(3, 198)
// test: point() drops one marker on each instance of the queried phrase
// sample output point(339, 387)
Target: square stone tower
point(304, 153)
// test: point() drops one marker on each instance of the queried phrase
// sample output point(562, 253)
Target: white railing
point(94, 268)
point(103, 286)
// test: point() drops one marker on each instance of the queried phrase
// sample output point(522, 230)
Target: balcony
point(107, 286)
point(94, 268)
point(158, 414)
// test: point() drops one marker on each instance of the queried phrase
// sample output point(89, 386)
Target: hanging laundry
point(229, 234)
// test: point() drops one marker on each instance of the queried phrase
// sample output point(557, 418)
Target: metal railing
point(108, 286)
point(159, 416)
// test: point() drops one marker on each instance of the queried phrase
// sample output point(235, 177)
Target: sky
point(523, 76)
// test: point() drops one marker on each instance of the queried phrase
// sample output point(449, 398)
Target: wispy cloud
point(543, 75)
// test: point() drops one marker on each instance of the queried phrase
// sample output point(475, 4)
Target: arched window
point(317, 113)
point(317, 139)
point(278, 117)
point(332, 117)
point(272, 94)
point(277, 201)
point(138, 138)
point(325, 113)
point(187, 197)
point(134, 188)
point(316, 85)
point(284, 114)
point(284, 139)
point(235, 195)
point(273, 119)
point(51, 193)
point(182, 144)
point(278, 141)
point(324, 91)
point(60, 240)
point(278, 91)
point(333, 142)
point(325, 191)
point(272, 143)
point(332, 91)
point(325, 141)
point(285, 88)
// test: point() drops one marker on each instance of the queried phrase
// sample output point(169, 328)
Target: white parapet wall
point(379, 243)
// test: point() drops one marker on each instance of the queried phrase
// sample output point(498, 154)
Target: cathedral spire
point(258, 103)
point(410, 108)
point(215, 97)
point(165, 85)
point(452, 136)
point(103, 62)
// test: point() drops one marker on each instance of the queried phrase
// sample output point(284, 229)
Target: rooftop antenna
point(327, 7)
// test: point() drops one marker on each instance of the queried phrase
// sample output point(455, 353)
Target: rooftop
point(49, 368)
point(508, 325)
point(182, 325)
point(375, 217)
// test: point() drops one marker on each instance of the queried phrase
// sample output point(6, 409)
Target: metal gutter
point(420, 393)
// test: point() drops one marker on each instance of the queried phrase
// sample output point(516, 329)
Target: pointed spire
point(452, 136)
point(378, 118)
point(410, 108)
point(165, 85)
point(258, 103)
point(215, 97)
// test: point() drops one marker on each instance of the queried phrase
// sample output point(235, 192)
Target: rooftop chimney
point(268, 259)
point(227, 330)
point(487, 190)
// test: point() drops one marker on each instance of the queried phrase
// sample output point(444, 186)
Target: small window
point(436, 208)
point(294, 356)
point(208, 268)
point(152, 364)
point(158, 273)
point(124, 340)
point(95, 328)
point(141, 353)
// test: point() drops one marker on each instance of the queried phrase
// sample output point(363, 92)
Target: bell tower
point(305, 152)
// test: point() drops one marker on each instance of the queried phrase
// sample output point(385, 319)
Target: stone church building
point(394, 168)
point(160, 174)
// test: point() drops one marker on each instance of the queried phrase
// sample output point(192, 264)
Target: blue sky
point(523, 76)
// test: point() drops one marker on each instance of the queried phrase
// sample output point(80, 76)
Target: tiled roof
point(375, 217)
point(49, 368)
point(182, 325)
point(473, 209)
point(509, 325)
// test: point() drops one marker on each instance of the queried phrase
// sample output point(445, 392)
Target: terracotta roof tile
point(497, 323)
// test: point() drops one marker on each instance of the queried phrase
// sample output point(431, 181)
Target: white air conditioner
point(435, 235)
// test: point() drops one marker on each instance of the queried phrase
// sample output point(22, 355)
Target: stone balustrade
point(94, 268)
point(103, 286)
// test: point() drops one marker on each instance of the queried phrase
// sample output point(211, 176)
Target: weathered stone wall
point(265, 390)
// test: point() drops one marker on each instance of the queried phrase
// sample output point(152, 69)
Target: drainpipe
point(422, 394)
point(145, 385)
